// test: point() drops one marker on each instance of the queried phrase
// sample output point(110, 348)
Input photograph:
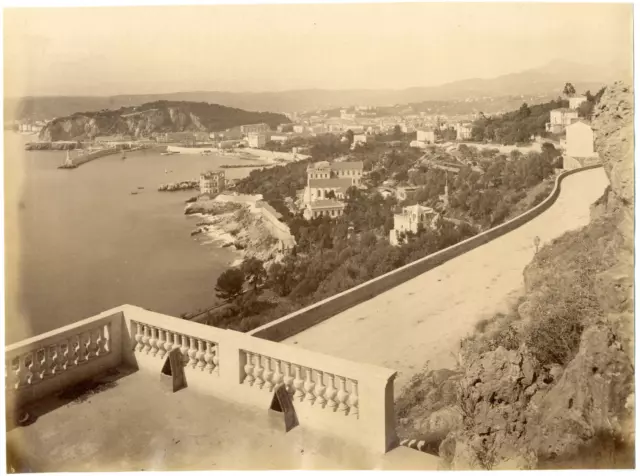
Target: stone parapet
point(345, 399)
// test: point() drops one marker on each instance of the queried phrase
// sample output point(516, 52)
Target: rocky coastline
point(232, 225)
point(178, 186)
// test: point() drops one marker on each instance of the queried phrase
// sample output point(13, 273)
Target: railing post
point(376, 412)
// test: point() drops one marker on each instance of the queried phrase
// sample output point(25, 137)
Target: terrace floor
point(127, 422)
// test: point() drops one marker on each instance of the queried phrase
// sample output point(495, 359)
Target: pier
point(74, 162)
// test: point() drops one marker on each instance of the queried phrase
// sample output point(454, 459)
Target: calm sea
point(77, 242)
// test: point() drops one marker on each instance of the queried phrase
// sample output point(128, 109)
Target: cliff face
point(551, 384)
point(158, 117)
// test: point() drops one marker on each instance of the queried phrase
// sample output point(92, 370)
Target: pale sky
point(137, 50)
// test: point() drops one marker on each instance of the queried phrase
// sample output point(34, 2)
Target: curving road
point(424, 319)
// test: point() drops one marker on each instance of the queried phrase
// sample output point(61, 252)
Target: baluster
point(257, 371)
point(331, 393)
point(169, 343)
point(138, 337)
point(176, 341)
point(161, 343)
point(53, 360)
point(277, 375)
point(74, 357)
point(27, 363)
point(192, 352)
point(216, 361)
point(248, 369)
point(208, 358)
point(106, 335)
point(353, 399)
point(145, 339)
point(99, 341)
point(200, 355)
point(18, 372)
point(41, 359)
point(288, 378)
point(82, 348)
point(64, 355)
point(268, 374)
point(153, 342)
point(297, 384)
point(91, 346)
point(184, 350)
point(342, 396)
point(309, 385)
point(320, 389)
point(35, 368)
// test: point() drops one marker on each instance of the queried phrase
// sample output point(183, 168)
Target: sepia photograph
point(319, 236)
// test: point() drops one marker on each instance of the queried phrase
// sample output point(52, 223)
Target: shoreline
point(234, 226)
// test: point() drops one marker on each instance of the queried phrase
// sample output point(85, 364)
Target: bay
point(77, 242)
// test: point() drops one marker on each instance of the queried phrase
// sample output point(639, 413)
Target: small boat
point(124, 157)
point(140, 188)
point(134, 193)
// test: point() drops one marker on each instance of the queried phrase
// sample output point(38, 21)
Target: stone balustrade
point(344, 399)
point(44, 364)
point(305, 384)
point(157, 342)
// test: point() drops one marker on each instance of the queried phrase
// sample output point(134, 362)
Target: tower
point(445, 196)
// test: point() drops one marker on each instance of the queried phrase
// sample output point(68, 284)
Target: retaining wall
point(303, 319)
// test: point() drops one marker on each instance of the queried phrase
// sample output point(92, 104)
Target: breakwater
point(78, 160)
point(60, 145)
point(242, 166)
point(176, 186)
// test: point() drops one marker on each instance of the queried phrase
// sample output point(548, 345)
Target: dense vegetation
point(334, 255)
point(213, 117)
point(515, 127)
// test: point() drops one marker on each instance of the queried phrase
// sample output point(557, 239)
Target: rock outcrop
point(551, 385)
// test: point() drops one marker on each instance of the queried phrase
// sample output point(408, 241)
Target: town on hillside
point(330, 236)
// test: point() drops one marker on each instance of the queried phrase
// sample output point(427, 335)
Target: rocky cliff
point(152, 118)
point(550, 384)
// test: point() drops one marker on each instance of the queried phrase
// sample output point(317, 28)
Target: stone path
point(425, 318)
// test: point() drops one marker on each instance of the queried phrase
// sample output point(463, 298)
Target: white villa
point(579, 145)
point(560, 119)
point(576, 102)
point(327, 183)
point(412, 219)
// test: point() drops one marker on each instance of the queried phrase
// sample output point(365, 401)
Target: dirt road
point(425, 318)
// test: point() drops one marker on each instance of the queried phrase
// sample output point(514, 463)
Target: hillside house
point(412, 219)
point(463, 131)
point(576, 102)
point(212, 182)
point(329, 208)
point(427, 135)
point(406, 193)
point(256, 139)
point(559, 119)
point(579, 146)
point(361, 139)
point(279, 137)
point(255, 128)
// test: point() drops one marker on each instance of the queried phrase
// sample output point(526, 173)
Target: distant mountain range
point(546, 81)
